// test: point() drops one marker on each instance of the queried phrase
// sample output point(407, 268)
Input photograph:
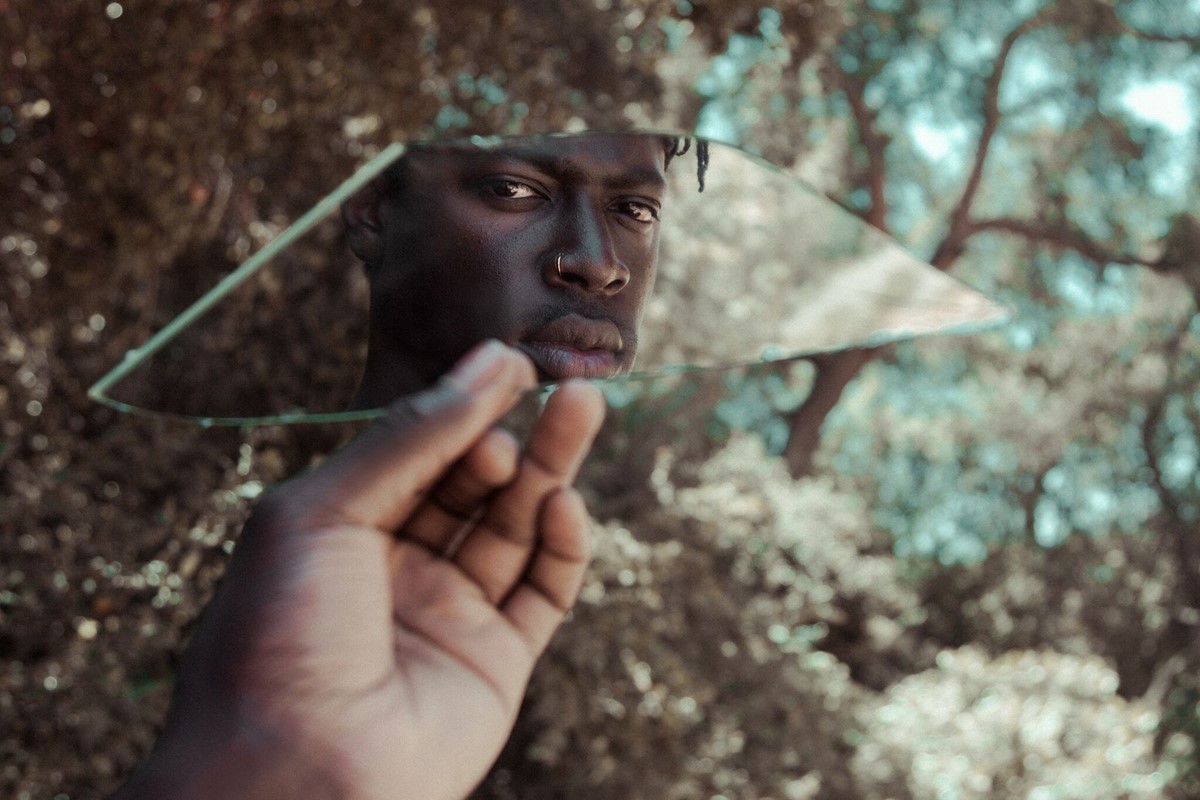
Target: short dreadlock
point(678, 145)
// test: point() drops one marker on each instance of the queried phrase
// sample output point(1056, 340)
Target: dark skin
point(382, 614)
point(548, 245)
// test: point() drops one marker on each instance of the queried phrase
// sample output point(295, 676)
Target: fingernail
point(479, 366)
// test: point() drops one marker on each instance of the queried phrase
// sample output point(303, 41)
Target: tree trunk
point(834, 373)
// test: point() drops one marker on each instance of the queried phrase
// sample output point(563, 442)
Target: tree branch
point(1160, 38)
point(1062, 236)
point(952, 245)
point(874, 143)
point(836, 370)
point(834, 373)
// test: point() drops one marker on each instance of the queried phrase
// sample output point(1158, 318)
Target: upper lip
point(579, 333)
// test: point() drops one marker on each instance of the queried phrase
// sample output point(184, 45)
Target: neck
point(390, 373)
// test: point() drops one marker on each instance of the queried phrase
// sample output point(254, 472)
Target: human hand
point(382, 614)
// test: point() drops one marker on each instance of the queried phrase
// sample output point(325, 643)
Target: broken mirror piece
point(600, 255)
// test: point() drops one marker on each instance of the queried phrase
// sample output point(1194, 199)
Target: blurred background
point(955, 568)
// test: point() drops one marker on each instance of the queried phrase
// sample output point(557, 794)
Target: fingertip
point(568, 524)
point(585, 393)
point(380, 476)
point(495, 458)
point(572, 501)
point(527, 372)
point(490, 364)
point(586, 401)
point(480, 367)
point(586, 389)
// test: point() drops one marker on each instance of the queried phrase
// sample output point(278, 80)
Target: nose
point(589, 259)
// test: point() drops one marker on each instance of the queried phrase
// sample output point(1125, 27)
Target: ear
point(363, 217)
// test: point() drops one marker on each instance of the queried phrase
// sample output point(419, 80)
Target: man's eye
point(513, 190)
point(638, 211)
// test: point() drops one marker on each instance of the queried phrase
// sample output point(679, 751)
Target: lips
point(574, 347)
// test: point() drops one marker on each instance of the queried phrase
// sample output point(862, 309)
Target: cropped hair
point(678, 145)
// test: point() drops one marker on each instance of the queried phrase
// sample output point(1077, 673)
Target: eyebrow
point(627, 179)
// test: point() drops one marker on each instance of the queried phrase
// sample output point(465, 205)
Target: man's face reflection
point(549, 245)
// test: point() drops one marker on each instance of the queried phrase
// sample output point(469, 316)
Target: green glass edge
point(328, 204)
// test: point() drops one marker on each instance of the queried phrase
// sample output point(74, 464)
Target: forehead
point(614, 161)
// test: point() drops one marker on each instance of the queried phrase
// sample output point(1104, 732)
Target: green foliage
point(1035, 725)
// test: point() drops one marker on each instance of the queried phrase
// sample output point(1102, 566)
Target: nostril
point(573, 279)
point(589, 273)
point(568, 274)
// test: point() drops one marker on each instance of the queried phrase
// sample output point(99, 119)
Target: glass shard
point(598, 255)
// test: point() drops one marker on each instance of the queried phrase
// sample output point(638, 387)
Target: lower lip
point(556, 362)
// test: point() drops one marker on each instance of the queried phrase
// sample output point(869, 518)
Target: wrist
point(250, 764)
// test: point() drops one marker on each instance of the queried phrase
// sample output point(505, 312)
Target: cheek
point(507, 252)
point(643, 265)
point(492, 281)
point(485, 261)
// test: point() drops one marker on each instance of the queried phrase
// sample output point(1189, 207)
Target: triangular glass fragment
point(549, 243)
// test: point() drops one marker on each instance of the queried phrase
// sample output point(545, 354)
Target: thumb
point(380, 477)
